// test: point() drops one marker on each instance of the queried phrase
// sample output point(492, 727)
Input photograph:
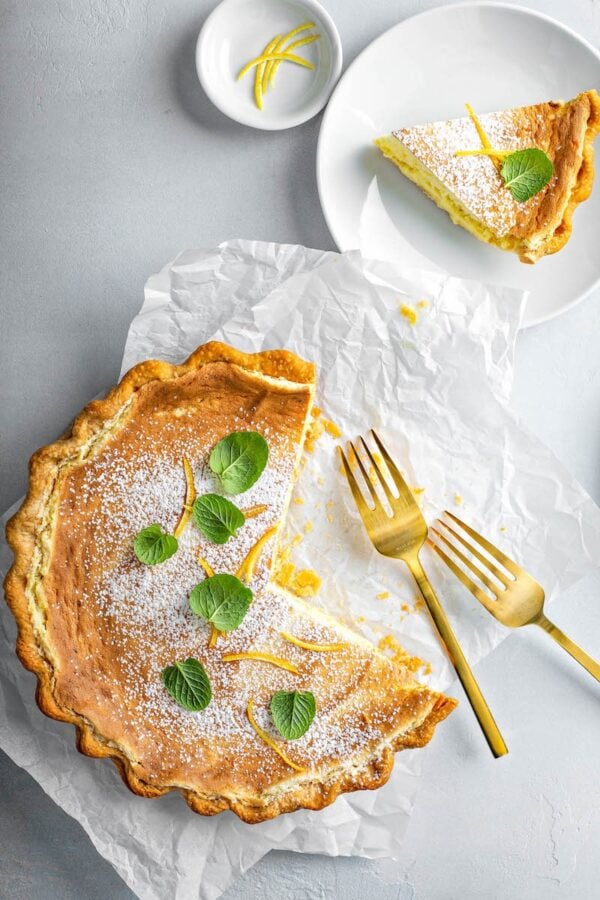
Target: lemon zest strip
point(208, 570)
point(262, 657)
point(485, 141)
point(254, 511)
point(248, 565)
point(290, 57)
point(291, 34)
point(308, 645)
point(259, 83)
point(268, 78)
point(214, 636)
point(269, 740)
point(190, 496)
point(270, 75)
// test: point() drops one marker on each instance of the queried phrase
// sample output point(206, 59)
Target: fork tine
point(462, 576)
point(379, 474)
point(394, 471)
point(468, 563)
point(498, 555)
point(368, 482)
point(356, 492)
point(498, 573)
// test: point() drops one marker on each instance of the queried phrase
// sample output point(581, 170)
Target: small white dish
point(424, 69)
point(237, 31)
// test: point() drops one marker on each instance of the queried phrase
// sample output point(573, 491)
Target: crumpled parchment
point(436, 390)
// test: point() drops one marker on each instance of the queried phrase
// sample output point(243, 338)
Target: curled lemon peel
point(485, 141)
point(290, 57)
point(269, 740)
point(248, 564)
point(259, 78)
point(486, 145)
point(190, 496)
point(309, 645)
point(208, 570)
point(268, 76)
point(301, 42)
point(214, 636)
point(278, 50)
point(262, 657)
point(254, 511)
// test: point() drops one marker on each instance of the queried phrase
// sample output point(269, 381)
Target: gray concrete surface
point(111, 161)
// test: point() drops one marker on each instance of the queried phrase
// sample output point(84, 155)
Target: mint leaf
point(239, 460)
point(188, 684)
point(152, 545)
point(217, 518)
point(526, 172)
point(293, 713)
point(222, 600)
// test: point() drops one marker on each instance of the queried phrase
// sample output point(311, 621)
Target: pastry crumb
point(390, 646)
point(316, 428)
point(409, 313)
point(331, 428)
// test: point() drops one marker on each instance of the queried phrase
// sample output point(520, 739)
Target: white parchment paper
point(437, 391)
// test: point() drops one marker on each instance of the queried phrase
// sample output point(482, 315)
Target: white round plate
point(237, 31)
point(493, 56)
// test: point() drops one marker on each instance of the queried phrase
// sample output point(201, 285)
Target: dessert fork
point(401, 536)
point(514, 597)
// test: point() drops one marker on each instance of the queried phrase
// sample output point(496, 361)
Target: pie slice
point(470, 188)
point(98, 627)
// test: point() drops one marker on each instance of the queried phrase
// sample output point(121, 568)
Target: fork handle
point(458, 659)
point(570, 646)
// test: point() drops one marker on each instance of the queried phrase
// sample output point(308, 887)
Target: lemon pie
point(104, 630)
point(450, 161)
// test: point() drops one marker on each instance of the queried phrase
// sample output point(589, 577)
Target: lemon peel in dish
point(278, 50)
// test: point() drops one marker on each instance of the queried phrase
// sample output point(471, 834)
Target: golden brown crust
point(572, 146)
point(318, 794)
point(23, 532)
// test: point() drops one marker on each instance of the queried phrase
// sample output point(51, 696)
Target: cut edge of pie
point(471, 190)
point(31, 528)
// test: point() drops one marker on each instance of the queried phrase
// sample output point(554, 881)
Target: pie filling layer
point(410, 166)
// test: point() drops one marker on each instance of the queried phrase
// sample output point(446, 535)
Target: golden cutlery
point(516, 598)
point(401, 536)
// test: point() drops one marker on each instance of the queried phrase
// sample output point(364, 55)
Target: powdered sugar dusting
point(144, 622)
point(474, 180)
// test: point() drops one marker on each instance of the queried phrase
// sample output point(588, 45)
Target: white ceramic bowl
point(237, 31)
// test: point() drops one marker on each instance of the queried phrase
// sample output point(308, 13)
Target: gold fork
point(401, 536)
point(516, 598)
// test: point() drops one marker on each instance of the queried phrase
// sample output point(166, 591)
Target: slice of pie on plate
point(99, 627)
point(470, 188)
